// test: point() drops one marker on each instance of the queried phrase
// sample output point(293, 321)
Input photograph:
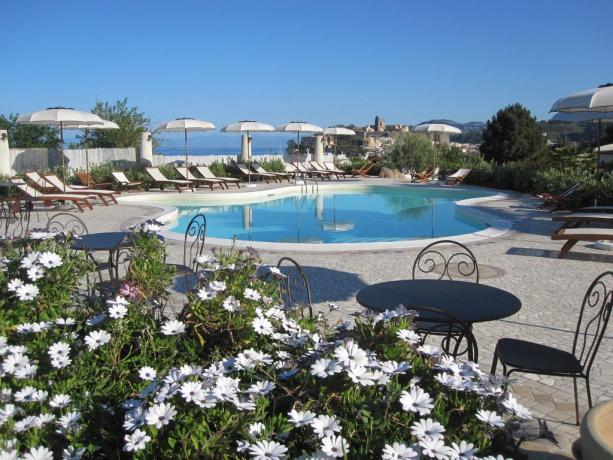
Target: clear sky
point(323, 61)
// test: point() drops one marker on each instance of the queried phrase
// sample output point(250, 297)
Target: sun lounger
point(308, 170)
point(574, 235)
point(123, 181)
point(334, 169)
point(317, 167)
point(577, 218)
point(39, 183)
point(458, 176)
point(258, 168)
point(161, 180)
point(61, 187)
point(246, 172)
point(592, 209)
point(187, 175)
point(425, 175)
point(87, 181)
point(205, 172)
point(363, 171)
point(31, 194)
point(554, 201)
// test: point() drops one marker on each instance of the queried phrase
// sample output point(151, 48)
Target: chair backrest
point(321, 166)
point(301, 167)
point(294, 286)
point(156, 174)
point(36, 178)
point(593, 319)
point(84, 178)
point(205, 172)
point(258, 167)
point(446, 259)
point(184, 172)
point(330, 166)
point(64, 222)
point(193, 244)
point(571, 190)
point(120, 177)
point(242, 168)
point(24, 188)
point(289, 167)
point(14, 217)
point(56, 182)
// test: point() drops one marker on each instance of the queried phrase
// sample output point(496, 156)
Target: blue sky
point(326, 62)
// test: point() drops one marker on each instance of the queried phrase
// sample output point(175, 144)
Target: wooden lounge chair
point(187, 175)
point(257, 167)
point(425, 175)
point(123, 182)
point(574, 235)
point(39, 183)
point(205, 172)
point(363, 171)
point(161, 180)
point(246, 172)
point(87, 181)
point(554, 201)
point(334, 169)
point(310, 171)
point(318, 167)
point(102, 195)
point(458, 176)
point(31, 194)
point(577, 218)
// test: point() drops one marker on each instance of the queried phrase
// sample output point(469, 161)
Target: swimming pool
point(337, 215)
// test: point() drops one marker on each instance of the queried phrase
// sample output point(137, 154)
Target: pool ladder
point(304, 186)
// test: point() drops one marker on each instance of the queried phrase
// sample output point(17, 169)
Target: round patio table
point(113, 242)
point(466, 302)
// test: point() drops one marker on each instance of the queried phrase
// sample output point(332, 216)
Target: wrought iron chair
point(14, 219)
point(533, 358)
point(65, 222)
point(453, 331)
point(293, 285)
point(193, 246)
point(448, 259)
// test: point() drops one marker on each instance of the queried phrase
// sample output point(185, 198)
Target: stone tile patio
point(522, 261)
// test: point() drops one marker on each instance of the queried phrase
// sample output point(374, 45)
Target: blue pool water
point(375, 214)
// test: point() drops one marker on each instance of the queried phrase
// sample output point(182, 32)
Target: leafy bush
point(274, 165)
point(219, 169)
point(411, 152)
point(237, 376)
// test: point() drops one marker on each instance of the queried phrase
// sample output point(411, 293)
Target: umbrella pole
point(598, 163)
point(87, 159)
point(62, 153)
point(249, 161)
point(185, 148)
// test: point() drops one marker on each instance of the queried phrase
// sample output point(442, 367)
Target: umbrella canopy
point(605, 148)
point(591, 100)
point(583, 117)
point(60, 117)
point(106, 124)
point(299, 127)
point(338, 131)
point(185, 124)
point(437, 128)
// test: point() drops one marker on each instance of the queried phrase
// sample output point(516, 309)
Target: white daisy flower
point(261, 388)
point(362, 376)
point(14, 362)
point(61, 362)
point(202, 260)
point(58, 349)
point(409, 336)
point(173, 327)
point(416, 400)
point(395, 367)
point(68, 422)
point(252, 294)
point(267, 450)
point(60, 401)
point(38, 453)
point(29, 260)
point(35, 272)
point(65, 322)
point(463, 451)
point(427, 429)
point(136, 441)
point(26, 423)
point(350, 354)
point(262, 326)
point(161, 414)
point(26, 292)
point(231, 304)
point(192, 391)
point(13, 284)
point(96, 339)
point(301, 418)
point(26, 394)
point(325, 425)
point(73, 453)
point(147, 373)
point(205, 294)
point(490, 417)
point(7, 412)
point(435, 448)
point(256, 429)
point(217, 286)
point(515, 408)
point(335, 446)
point(117, 311)
point(50, 260)
point(399, 451)
point(430, 350)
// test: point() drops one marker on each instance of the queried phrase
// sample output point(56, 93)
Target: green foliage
point(274, 165)
point(131, 123)
point(512, 134)
point(29, 136)
point(219, 168)
point(411, 152)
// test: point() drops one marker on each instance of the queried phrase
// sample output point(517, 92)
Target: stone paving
point(522, 261)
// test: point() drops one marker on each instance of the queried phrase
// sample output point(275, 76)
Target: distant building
point(379, 124)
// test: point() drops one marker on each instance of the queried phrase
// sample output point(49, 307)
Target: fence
point(159, 160)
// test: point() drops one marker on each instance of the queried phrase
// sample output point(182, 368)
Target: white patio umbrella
point(185, 124)
point(299, 127)
point(60, 117)
point(248, 126)
point(338, 131)
point(436, 128)
point(106, 124)
point(596, 100)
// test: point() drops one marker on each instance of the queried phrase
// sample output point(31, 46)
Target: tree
point(29, 136)
point(512, 134)
point(131, 123)
point(411, 152)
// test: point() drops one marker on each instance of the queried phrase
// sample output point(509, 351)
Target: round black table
point(112, 242)
point(466, 302)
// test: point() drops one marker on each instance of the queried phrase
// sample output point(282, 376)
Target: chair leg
point(494, 361)
point(589, 392)
point(576, 399)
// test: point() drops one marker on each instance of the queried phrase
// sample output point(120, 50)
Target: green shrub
point(274, 165)
point(219, 168)
point(411, 152)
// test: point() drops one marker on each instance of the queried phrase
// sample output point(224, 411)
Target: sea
point(220, 144)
